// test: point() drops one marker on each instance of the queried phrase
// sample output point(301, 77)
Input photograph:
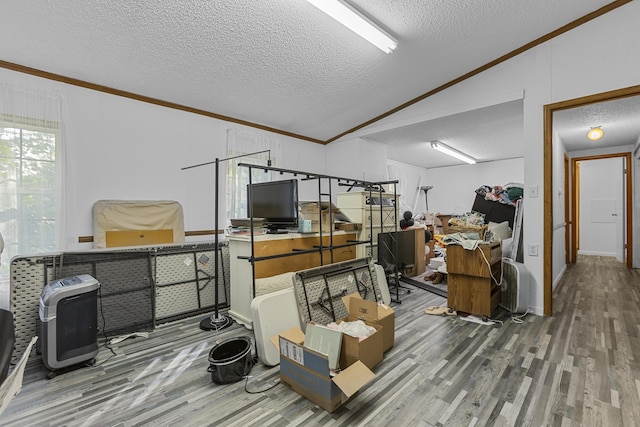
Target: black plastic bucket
point(230, 360)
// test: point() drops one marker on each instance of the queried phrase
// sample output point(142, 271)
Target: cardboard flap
point(361, 308)
point(353, 378)
point(312, 207)
point(295, 335)
point(384, 310)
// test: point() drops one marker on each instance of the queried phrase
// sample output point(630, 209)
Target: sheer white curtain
point(31, 128)
point(404, 187)
point(241, 143)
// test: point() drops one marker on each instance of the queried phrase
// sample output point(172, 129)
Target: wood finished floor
point(577, 368)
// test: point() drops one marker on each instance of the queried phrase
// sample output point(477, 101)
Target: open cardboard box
point(368, 351)
point(307, 372)
point(373, 313)
point(325, 211)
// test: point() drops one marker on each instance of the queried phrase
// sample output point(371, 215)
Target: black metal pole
point(216, 321)
point(216, 238)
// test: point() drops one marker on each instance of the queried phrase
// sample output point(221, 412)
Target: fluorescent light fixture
point(595, 133)
point(437, 145)
point(351, 18)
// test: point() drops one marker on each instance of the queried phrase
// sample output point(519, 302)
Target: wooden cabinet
point(419, 264)
point(300, 242)
point(470, 285)
point(276, 244)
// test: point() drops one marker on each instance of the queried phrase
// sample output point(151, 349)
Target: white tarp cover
point(123, 215)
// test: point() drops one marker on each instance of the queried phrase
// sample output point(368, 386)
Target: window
point(238, 179)
point(27, 188)
point(246, 145)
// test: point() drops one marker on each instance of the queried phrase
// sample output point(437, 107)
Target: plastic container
point(230, 360)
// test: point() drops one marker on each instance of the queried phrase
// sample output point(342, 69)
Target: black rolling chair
point(7, 341)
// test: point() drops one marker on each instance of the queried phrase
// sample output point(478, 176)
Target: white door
point(601, 207)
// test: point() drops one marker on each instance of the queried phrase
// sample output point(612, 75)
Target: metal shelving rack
point(325, 185)
point(388, 224)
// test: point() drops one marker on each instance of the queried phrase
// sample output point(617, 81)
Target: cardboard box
point(314, 217)
point(326, 212)
point(373, 313)
point(368, 351)
point(307, 372)
point(348, 226)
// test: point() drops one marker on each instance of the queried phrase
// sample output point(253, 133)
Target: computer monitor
point(276, 202)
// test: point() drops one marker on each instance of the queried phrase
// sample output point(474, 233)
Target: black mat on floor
point(427, 286)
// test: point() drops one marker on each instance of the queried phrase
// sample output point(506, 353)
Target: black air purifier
point(69, 321)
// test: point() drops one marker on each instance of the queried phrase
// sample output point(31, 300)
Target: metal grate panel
point(28, 276)
point(186, 281)
point(127, 295)
point(319, 290)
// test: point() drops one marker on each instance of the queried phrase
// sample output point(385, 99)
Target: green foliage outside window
point(27, 192)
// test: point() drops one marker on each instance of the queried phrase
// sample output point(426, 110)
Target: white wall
point(357, 159)
point(555, 71)
point(410, 179)
point(559, 251)
point(454, 186)
point(119, 148)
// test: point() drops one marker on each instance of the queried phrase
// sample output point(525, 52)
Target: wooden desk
point(471, 289)
point(274, 244)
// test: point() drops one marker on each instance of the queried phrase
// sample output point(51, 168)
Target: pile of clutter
point(468, 220)
point(436, 271)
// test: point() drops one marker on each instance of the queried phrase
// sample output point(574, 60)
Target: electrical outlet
point(533, 250)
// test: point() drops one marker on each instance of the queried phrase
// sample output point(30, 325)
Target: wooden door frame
point(575, 222)
point(548, 111)
point(567, 218)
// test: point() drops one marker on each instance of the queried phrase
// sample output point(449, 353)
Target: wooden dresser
point(471, 289)
point(275, 244)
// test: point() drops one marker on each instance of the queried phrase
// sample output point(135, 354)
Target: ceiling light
point(437, 145)
point(356, 22)
point(595, 133)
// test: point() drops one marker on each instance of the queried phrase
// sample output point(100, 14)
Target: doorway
point(601, 192)
point(549, 109)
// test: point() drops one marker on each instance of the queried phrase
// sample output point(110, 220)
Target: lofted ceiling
point(284, 65)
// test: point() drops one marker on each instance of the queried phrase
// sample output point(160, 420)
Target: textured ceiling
point(280, 64)
point(619, 119)
point(486, 134)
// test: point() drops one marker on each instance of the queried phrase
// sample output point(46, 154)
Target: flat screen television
point(276, 202)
